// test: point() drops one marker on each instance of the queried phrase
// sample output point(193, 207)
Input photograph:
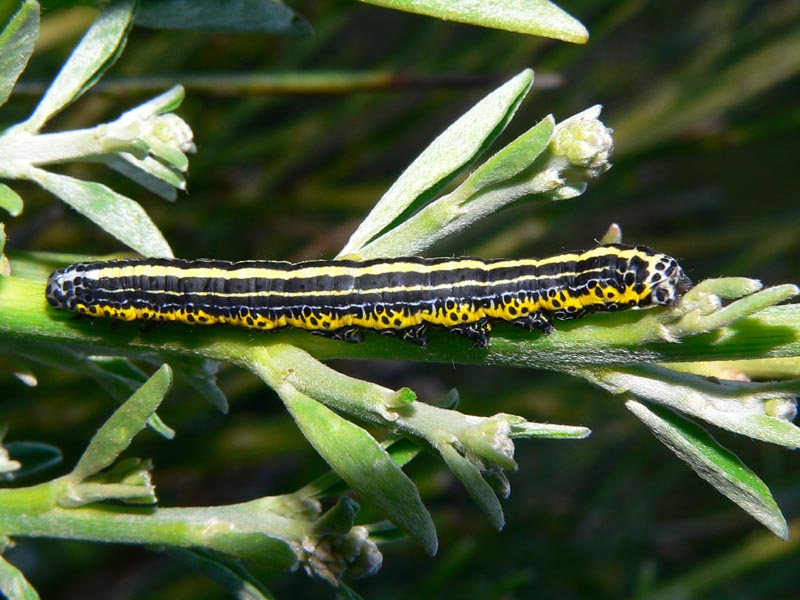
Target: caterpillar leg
point(537, 321)
point(478, 332)
point(352, 335)
point(416, 334)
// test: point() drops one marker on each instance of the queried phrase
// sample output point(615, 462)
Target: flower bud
point(584, 141)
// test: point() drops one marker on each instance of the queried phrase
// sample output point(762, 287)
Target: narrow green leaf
point(738, 406)
point(514, 158)
point(549, 430)
point(230, 575)
point(714, 463)
point(703, 314)
point(129, 419)
point(402, 450)
point(34, 457)
point(338, 520)
point(127, 481)
point(729, 288)
point(334, 389)
point(10, 201)
point(236, 16)
point(148, 172)
point(363, 464)
point(384, 532)
point(447, 156)
point(17, 41)
point(120, 216)
point(116, 375)
point(13, 584)
point(97, 51)
point(534, 17)
point(121, 378)
point(472, 479)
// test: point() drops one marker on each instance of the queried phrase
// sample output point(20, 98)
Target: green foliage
point(146, 143)
point(536, 17)
point(689, 360)
point(17, 40)
point(714, 463)
point(363, 464)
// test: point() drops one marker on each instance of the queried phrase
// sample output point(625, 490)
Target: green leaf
point(534, 17)
point(705, 320)
point(447, 156)
point(714, 463)
point(129, 419)
point(121, 378)
point(34, 456)
point(514, 158)
point(230, 575)
point(100, 47)
point(757, 409)
point(338, 520)
point(13, 584)
point(116, 375)
point(127, 481)
point(148, 172)
point(363, 464)
point(527, 429)
point(237, 16)
point(472, 479)
point(10, 201)
point(17, 41)
point(402, 450)
point(118, 215)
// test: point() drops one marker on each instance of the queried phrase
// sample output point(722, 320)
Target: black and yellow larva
point(399, 296)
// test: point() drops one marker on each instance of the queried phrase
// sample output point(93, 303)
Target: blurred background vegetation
point(703, 98)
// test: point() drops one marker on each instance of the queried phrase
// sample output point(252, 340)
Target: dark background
point(703, 98)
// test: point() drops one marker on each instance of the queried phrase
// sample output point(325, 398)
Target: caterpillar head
point(668, 281)
point(65, 286)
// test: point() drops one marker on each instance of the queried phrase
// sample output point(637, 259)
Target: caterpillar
point(399, 296)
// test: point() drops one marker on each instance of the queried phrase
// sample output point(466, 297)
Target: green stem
point(28, 326)
point(248, 530)
point(31, 500)
point(22, 148)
